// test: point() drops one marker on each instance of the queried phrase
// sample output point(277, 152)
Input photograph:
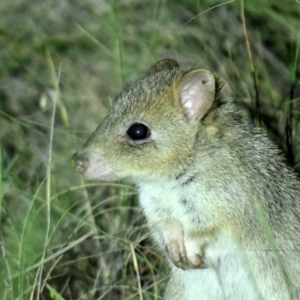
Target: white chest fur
point(160, 200)
point(173, 215)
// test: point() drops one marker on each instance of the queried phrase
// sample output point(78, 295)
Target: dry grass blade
point(136, 268)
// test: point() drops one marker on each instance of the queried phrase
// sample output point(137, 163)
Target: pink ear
point(196, 92)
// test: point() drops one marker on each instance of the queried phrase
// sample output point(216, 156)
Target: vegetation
point(62, 64)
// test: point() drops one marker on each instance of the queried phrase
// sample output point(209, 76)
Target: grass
point(61, 66)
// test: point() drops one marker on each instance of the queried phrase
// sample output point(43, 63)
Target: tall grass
point(62, 63)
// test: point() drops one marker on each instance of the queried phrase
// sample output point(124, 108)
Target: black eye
point(138, 131)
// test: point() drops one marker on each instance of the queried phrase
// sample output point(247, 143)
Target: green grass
point(62, 64)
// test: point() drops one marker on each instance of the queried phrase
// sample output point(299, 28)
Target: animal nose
point(80, 162)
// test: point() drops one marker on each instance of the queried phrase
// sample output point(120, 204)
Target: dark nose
point(80, 162)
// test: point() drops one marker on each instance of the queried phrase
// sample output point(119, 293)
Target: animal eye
point(138, 131)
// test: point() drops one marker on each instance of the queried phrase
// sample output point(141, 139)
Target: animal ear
point(196, 93)
point(164, 64)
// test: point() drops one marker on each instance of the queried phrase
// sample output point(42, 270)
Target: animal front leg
point(185, 252)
